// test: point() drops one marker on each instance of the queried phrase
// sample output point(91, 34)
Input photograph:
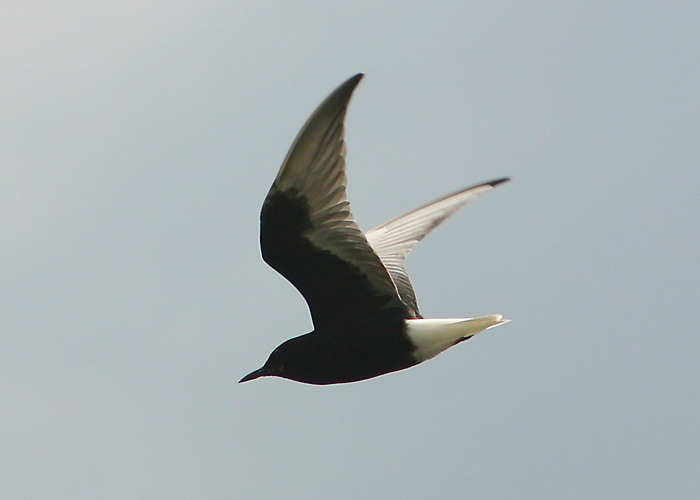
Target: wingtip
point(496, 182)
point(339, 98)
point(351, 82)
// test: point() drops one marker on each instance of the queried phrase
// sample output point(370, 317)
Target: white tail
point(434, 335)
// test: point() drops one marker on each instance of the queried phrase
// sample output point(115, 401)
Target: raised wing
point(394, 240)
point(308, 234)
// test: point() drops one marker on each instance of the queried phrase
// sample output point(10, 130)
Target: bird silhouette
point(364, 310)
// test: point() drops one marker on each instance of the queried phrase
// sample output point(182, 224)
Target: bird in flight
point(364, 311)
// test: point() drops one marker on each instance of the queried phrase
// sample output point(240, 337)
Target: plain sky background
point(138, 140)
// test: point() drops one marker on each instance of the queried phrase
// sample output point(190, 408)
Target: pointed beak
point(260, 372)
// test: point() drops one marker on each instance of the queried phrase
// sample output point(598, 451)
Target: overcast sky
point(138, 140)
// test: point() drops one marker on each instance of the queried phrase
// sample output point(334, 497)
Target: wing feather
point(394, 240)
point(308, 233)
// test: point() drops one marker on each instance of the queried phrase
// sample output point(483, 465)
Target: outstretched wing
point(308, 234)
point(394, 240)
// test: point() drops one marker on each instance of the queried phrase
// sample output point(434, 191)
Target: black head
point(306, 358)
point(281, 362)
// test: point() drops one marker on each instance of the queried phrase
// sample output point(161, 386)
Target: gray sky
point(138, 142)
